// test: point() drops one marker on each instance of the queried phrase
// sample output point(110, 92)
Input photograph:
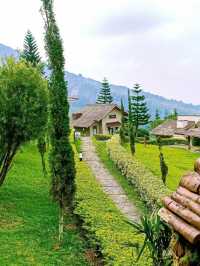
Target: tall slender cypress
point(61, 157)
point(132, 129)
point(123, 124)
point(105, 95)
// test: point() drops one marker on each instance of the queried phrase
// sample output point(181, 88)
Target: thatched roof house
point(97, 119)
point(168, 128)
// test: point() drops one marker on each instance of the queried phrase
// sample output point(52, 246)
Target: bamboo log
point(190, 233)
point(186, 193)
point(191, 181)
point(193, 206)
point(183, 212)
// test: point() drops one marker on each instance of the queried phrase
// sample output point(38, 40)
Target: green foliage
point(122, 131)
point(143, 132)
point(105, 95)
point(102, 137)
point(163, 168)
point(62, 156)
point(42, 148)
point(139, 108)
point(157, 238)
point(28, 219)
point(23, 109)
point(103, 222)
point(196, 141)
point(131, 125)
point(30, 52)
point(157, 115)
point(150, 188)
point(77, 143)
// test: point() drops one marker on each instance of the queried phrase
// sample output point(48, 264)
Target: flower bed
point(105, 226)
point(150, 187)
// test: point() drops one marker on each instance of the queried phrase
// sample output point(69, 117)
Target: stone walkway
point(110, 186)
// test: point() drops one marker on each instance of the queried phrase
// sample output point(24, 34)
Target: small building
point(96, 119)
point(184, 126)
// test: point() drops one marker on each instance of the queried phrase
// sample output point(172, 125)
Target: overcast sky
point(152, 42)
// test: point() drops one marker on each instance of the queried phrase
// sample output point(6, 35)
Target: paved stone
point(110, 186)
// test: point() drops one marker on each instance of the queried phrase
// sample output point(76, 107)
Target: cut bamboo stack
point(182, 209)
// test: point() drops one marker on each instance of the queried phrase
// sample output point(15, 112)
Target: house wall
point(107, 119)
point(96, 125)
point(194, 118)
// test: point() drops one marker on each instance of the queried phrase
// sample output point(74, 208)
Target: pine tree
point(139, 108)
point(123, 124)
point(30, 52)
point(131, 126)
point(105, 93)
point(62, 162)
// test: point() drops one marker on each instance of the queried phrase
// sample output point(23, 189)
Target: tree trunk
point(61, 223)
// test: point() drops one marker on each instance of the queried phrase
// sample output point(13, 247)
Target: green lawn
point(179, 161)
point(28, 219)
point(127, 187)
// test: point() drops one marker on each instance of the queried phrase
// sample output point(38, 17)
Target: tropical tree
point(23, 109)
point(122, 132)
point(31, 55)
point(62, 163)
point(139, 108)
point(131, 125)
point(105, 95)
point(30, 52)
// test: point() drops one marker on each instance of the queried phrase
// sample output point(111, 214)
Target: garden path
point(110, 186)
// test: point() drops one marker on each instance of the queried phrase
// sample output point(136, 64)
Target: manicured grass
point(29, 219)
point(179, 161)
point(127, 187)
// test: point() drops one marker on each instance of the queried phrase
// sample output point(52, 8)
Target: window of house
point(112, 116)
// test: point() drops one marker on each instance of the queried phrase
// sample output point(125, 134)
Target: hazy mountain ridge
point(86, 89)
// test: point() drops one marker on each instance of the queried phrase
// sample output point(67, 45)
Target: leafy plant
point(23, 109)
point(157, 236)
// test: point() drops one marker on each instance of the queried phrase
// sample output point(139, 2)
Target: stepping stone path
point(110, 186)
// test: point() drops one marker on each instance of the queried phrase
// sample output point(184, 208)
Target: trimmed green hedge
point(102, 137)
point(150, 187)
point(103, 222)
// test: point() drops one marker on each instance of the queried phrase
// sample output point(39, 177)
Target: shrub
point(23, 109)
point(142, 132)
point(104, 225)
point(196, 141)
point(102, 137)
point(77, 143)
point(150, 187)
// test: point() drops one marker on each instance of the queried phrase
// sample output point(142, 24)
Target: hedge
point(165, 141)
point(102, 137)
point(103, 223)
point(150, 187)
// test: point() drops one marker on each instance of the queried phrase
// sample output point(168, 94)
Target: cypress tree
point(105, 93)
point(131, 126)
point(123, 124)
point(139, 108)
point(30, 52)
point(62, 162)
point(163, 166)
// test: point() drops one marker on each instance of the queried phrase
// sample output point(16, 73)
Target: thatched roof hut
point(165, 129)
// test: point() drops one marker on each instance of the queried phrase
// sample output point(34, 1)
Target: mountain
point(86, 90)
